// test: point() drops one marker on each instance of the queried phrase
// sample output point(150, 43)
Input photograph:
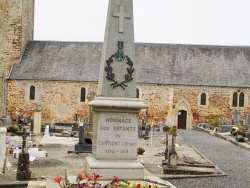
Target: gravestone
point(171, 161)
point(82, 147)
point(88, 133)
point(46, 132)
point(236, 117)
point(6, 121)
point(37, 122)
point(2, 147)
point(248, 120)
point(161, 127)
point(23, 172)
point(116, 108)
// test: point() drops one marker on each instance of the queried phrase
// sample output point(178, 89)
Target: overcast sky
point(215, 22)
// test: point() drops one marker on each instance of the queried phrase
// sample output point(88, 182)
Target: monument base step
point(127, 170)
point(82, 148)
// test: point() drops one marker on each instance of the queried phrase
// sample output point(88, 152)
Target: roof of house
point(175, 64)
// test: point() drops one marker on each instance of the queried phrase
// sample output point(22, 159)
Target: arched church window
point(235, 99)
point(32, 92)
point(203, 99)
point(241, 99)
point(238, 99)
point(83, 94)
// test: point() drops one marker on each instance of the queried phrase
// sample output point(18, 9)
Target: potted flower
point(10, 146)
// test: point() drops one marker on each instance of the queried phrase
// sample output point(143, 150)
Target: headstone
point(172, 156)
point(6, 121)
point(46, 132)
point(82, 147)
point(2, 147)
point(166, 150)
point(18, 119)
point(88, 133)
point(37, 122)
point(236, 117)
point(140, 128)
point(161, 127)
point(116, 108)
point(248, 119)
point(23, 172)
point(147, 130)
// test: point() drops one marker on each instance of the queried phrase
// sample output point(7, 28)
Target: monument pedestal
point(115, 137)
point(127, 170)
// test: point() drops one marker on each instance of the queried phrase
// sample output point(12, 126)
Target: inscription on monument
point(118, 135)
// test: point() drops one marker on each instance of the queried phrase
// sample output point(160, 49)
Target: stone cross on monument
point(121, 15)
point(116, 108)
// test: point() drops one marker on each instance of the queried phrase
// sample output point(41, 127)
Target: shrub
point(215, 122)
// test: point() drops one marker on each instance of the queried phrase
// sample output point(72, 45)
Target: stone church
point(182, 85)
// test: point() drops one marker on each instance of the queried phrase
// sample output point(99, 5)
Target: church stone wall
point(16, 26)
point(158, 98)
point(219, 102)
point(10, 25)
point(1, 94)
point(58, 100)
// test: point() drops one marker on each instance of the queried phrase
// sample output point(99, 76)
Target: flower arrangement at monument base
point(88, 181)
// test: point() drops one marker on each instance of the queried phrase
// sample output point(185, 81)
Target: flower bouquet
point(88, 181)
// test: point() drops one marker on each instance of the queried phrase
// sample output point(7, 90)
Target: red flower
point(138, 185)
point(96, 177)
point(116, 180)
point(81, 176)
point(58, 179)
point(89, 177)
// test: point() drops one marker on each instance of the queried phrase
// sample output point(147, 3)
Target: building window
point(241, 99)
point(83, 94)
point(238, 99)
point(32, 92)
point(137, 93)
point(203, 99)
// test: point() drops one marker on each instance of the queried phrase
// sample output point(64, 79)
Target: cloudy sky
point(214, 22)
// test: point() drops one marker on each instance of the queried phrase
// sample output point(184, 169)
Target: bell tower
point(16, 26)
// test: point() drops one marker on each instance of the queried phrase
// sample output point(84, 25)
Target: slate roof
point(175, 64)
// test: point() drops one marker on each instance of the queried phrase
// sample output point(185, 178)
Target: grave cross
point(121, 15)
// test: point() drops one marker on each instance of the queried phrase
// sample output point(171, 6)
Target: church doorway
point(182, 119)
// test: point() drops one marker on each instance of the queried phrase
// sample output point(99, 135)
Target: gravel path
point(232, 159)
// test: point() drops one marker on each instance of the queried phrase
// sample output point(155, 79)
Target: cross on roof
point(121, 15)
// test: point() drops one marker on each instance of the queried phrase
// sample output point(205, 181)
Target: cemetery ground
point(191, 163)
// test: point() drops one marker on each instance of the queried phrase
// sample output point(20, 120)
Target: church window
point(203, 99)
point(32, 92)
point(238, 99)
point(137, 93)
point(241, 100)
point(83, 94)
point(235, 99)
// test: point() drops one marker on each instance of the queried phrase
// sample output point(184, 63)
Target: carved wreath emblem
point(120, 56)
